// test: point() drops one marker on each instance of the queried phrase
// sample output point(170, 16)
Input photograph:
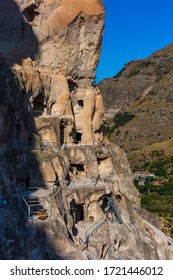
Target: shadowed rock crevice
point(17, 38)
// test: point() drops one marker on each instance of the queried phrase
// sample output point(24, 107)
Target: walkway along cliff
point(66, 191)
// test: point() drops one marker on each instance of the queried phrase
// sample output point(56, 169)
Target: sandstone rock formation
point(54, 157)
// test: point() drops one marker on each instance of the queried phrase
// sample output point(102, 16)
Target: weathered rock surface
point(52, 150)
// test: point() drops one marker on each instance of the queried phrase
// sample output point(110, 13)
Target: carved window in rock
point(62, 134)
point(81, 103)
point(78, 170)
point(76, 136)
point(38, 105)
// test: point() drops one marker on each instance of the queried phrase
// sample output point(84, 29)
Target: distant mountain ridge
point(142, 93)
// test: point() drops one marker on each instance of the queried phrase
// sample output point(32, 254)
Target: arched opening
point(77, 211)
point(38, 105)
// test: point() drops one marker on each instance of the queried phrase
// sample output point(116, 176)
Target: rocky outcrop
point(55, 162)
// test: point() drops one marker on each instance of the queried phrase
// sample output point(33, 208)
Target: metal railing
point(91, 230)
point(32, 207)
point(44, 145)
point(91, 255)
point(47, 145)
point(115, 209)
point(37, 114)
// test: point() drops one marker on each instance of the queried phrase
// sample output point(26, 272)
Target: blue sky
point(134, 29)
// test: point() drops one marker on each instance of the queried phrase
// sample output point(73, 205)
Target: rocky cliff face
point(54, 159)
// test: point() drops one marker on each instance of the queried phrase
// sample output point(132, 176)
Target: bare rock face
point(66, 35)
point(55, 162)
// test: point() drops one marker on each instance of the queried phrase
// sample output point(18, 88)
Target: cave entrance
point(72, 85)
point(78, 137)
point(30, 12)
point(77, 211)
point(78, 170)
point(63, 131)
point(38, 105)
point(81, 103)
point(62, 134)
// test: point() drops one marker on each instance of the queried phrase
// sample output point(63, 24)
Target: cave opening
point(77, 211)
point(81, 103)
point(77, 169)
point(38, 105)
point(72, 85)
point(30, 13)
point(78, 137)
point(62, 134)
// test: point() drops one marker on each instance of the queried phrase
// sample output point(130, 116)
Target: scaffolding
point(114, 209)
point(34, 208)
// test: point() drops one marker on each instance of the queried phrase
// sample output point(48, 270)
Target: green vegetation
point(158, 199)
point(106, 129)
point(162, 167)
point(121, 119)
